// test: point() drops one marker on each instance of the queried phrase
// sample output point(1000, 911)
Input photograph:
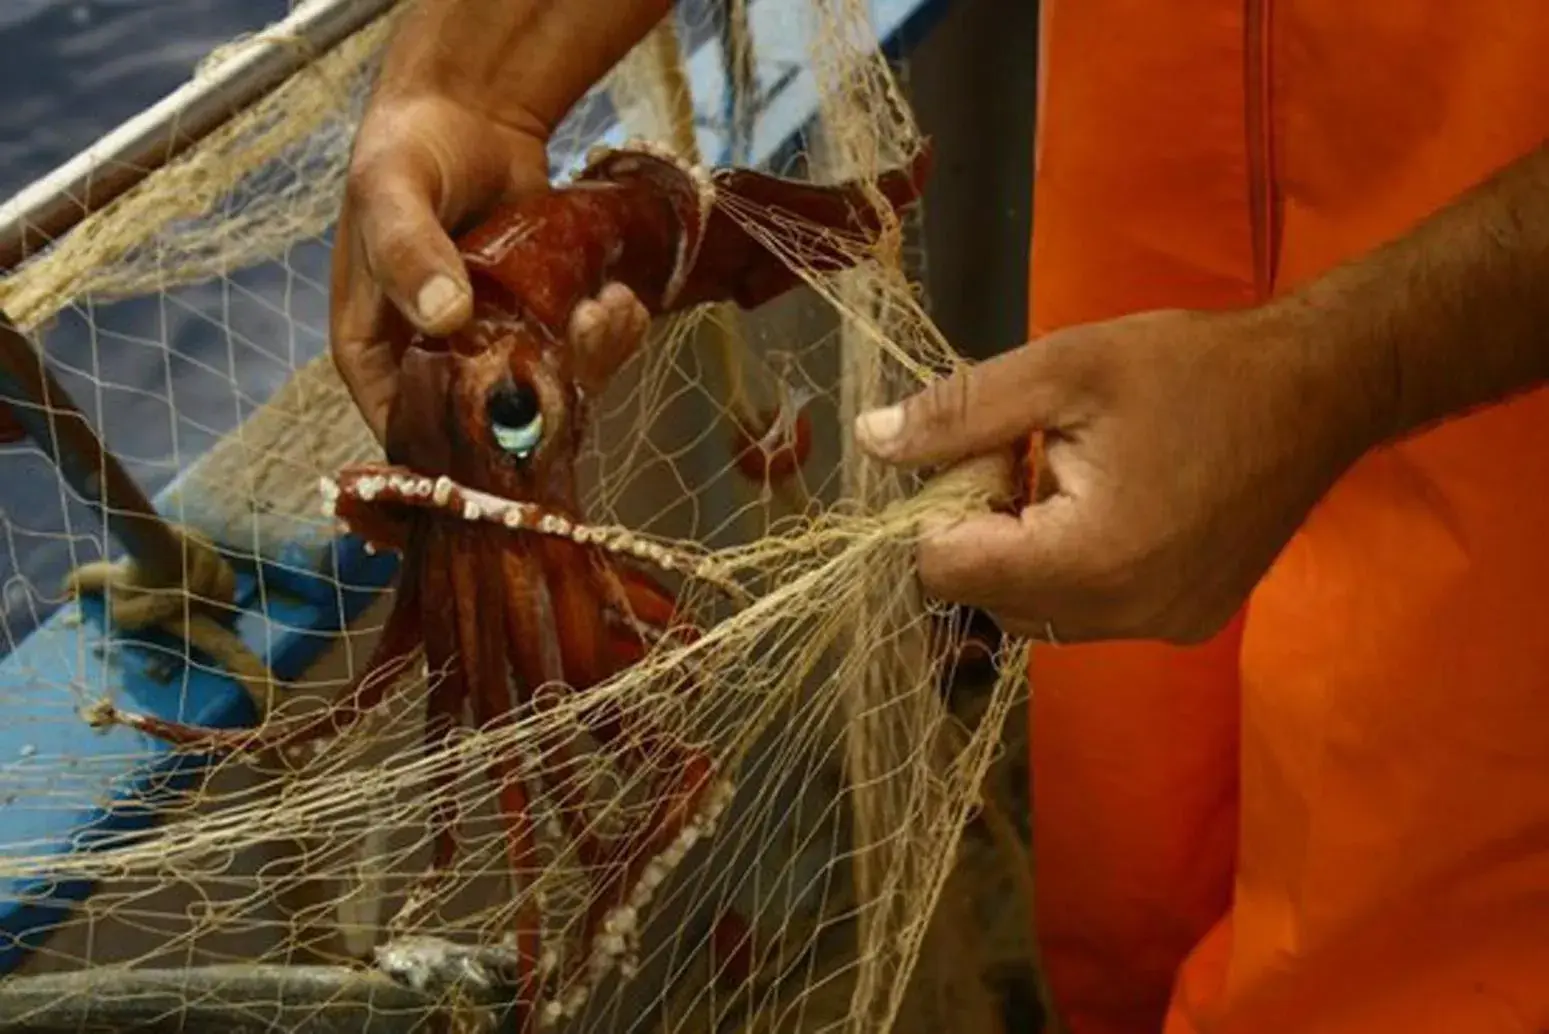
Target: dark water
point(73, 71)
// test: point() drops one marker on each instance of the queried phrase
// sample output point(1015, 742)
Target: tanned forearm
point(525, 62)
point(1452, 316)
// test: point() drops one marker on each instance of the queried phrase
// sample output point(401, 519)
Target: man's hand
point(1182, 451)
point(421, 165)
point(469, 92)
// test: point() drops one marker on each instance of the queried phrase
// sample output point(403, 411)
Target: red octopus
point(503, 586)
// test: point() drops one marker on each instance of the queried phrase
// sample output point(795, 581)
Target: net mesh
point(835, 883)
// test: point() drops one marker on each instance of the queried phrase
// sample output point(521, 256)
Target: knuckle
point(1170, 620)
point(363, 175)
point(1079, 361)
point(1109, 579)
point(942, 404)
point(394, 252)
point(620, 322)
point(342, 274)
point(933, 568)
point(388, 206)
point(618, 296)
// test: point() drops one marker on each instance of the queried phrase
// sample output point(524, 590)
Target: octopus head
point(496, 408)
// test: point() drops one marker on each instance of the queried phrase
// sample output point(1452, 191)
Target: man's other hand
point(1181, 451)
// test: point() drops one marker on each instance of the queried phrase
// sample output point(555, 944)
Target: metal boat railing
point(52, 206)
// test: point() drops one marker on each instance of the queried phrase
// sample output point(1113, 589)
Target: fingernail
point(437, 298)
point(880, 426)
point(616, 293)
point(587, 318)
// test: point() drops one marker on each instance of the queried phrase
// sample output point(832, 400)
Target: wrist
point(1339, 375)
point(447, 52)
point(520, 63)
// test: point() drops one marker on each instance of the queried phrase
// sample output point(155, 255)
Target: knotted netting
point(822, 884)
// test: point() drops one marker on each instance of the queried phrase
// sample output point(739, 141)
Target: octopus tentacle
point(716, 258)
point(667, 229)
point(634, 866)
point(776, 444)
point(536, 659)
point(648, 600)
point(443, 706)
point(582, 632)
point(637, 866)
point(516, 816)
point(386, 486)
point(478, 602)
point(510, 595)
point(641, 614)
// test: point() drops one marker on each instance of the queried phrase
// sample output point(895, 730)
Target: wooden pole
point(42, 407)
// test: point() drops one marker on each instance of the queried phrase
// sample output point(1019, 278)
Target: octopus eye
point(516, 419)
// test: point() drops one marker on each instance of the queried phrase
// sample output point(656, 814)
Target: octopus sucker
point(513, 597)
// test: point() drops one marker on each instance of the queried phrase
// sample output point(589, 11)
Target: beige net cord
point(139, 602)
point(815, 687)
point(863, 387)
point(650, 87)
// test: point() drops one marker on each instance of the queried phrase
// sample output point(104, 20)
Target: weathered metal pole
point(53, 205)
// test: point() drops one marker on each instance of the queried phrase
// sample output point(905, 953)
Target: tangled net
point(817, 902)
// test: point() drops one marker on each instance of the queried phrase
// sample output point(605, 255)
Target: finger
point(615, 315)
point(370, 372)
point(365, 362)
point(606, 330)
point(985, 407)
point(589, 326)
point(407, 250)
point(1005, 563)
point(966, 562)
point(631, 319)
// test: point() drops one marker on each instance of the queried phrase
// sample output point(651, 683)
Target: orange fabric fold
point(1335, 816)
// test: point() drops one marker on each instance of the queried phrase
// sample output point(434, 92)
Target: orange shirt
point(1335, 817)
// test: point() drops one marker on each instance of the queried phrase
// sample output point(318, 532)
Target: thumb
point(409, 253)
point(974, 411)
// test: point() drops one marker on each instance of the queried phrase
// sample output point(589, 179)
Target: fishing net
point(825, 886)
